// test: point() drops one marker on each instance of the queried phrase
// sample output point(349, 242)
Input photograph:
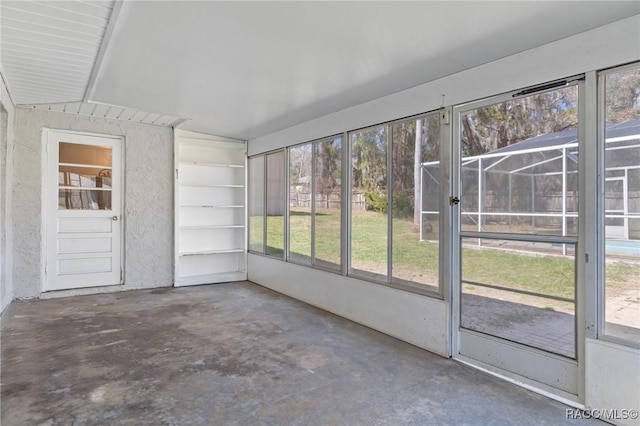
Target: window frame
point(437, 292)
point(264, 206)
point(288, 257)
point(344, 268)
point(313, 264)
point(358, 273)
point(250, 203)
point(285, 200)
point(601, 296)
point(443, 191)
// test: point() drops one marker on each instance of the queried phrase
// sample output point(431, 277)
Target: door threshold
point(539, 388)
point(54, 294)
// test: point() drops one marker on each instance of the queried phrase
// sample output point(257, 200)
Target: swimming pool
point(623, 247)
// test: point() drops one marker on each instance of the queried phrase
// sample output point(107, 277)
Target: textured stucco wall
point(148, 197)
point(6, 144)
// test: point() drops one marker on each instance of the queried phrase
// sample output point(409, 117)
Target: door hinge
point(453, 200)
point(121, 276)
point(176, 173)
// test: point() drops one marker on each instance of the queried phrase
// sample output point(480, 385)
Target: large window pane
point(519, 165)
point(328, 203)
point(300, 201)
point(528, 299)
point(622, 204)
point(369, 221)
point(415, 200)
point(275, 187)
point(256, 204)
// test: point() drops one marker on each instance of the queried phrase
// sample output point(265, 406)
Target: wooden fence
point(326, 200)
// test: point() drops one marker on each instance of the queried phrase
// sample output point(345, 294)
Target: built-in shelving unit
point(210, 232)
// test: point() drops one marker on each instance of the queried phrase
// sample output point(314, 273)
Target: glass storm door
point(515, 213)
point(83, 211)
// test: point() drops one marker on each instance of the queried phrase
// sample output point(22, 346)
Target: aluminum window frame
point(314, 146)
point(264, 206)
point(285, 215)
point(437, 292)
point(288, 202)
point(250, 202)
point(600, 297)
point(358, 273)
point(314, 263)
point(427, 289)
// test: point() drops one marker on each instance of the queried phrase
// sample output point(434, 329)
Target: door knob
point(114, 218)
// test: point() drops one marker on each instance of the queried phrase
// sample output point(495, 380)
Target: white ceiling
point(110, 111)
point(246, 69)
point(48, 49)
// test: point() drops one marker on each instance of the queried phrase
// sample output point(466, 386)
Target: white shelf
point(212, 227)
point(220, 277)
point(84, 188)
point(85, 166)
point(200, 185)
point(198, 163)
point(207, 252)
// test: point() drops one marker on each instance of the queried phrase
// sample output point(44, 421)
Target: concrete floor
point(234, 354)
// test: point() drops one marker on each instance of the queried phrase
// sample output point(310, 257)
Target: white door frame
point(46, 198)
point(512, 356)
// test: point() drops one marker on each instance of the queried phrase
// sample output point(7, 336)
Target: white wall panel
point(613, 379)
point(420, 320)
point(6, 233)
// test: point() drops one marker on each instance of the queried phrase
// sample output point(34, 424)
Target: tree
point(327, 167)
point(300, 164)
point(495, 126)
point(369, 159)
point(403, 139)
point(623, 96)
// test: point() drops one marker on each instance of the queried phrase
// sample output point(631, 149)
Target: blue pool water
point(623, 247)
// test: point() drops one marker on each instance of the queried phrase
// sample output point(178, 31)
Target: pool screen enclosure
point(531, 187)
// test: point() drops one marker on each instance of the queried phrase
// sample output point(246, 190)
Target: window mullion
point(346, 194)
point(389, 148)
point(314, 147)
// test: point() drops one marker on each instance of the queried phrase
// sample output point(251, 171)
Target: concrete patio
point(234, 354)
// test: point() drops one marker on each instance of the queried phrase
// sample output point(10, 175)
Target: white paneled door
point(83, 210)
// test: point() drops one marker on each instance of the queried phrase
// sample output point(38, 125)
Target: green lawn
point(541, 274)
point(417, 261)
